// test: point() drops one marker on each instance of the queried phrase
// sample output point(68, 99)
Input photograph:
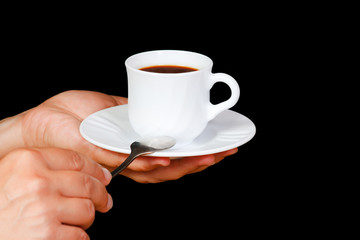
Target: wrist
point(11, 134)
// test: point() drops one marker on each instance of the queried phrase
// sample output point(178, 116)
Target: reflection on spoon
point(143, 147)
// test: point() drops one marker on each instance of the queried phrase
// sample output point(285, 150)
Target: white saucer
point(110, 129)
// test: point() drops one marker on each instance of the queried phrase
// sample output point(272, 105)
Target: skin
point(55, 123)
point(52, 180)
point(50, 194)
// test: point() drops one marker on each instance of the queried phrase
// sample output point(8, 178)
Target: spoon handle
point(126, 163)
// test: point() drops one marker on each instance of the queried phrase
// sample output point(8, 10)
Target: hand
point(55, 123)
point(178, 168)
point(50, 194)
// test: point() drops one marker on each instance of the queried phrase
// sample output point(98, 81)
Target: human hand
point(50, 194)
point(56, 122)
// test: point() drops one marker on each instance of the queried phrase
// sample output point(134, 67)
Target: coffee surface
point(168, 69)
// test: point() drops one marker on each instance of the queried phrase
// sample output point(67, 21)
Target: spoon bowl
point(143, 147)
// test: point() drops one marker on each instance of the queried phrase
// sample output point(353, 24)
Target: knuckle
point(90, 213)
point(38, 185)
point(73, 233)
point(97, 172)
point(25, 156)
point(77, 162)
point(141, 166)
point(48, 232)
point(144, 167)
point(88, 184)
point(91, 208)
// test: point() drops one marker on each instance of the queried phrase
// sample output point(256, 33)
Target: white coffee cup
point(174, 104)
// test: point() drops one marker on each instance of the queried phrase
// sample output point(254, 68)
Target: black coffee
point(168, 69)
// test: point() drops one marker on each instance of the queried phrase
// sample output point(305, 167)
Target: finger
point(145, 164)
point(120, 100)
point(79, 185)
point(220, 156)
point(111, 160)
point(76, 212)
point(177, 169)
point(199, 169)
point(61, 159)
point(66, 232)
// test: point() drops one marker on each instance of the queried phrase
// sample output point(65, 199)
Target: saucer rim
point(176, 153)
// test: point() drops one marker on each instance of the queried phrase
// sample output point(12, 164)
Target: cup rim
point(209, 65)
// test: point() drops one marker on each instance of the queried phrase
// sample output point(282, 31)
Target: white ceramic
point(110, 129)
point(176, 105)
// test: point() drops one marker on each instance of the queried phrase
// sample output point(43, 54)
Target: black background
point(240, 195)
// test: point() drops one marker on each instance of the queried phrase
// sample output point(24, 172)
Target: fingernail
point(110, 202)
point(107, 175)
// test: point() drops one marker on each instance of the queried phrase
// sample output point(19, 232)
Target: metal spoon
point(143, 147)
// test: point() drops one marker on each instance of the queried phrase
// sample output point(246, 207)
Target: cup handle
point(214, 110)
